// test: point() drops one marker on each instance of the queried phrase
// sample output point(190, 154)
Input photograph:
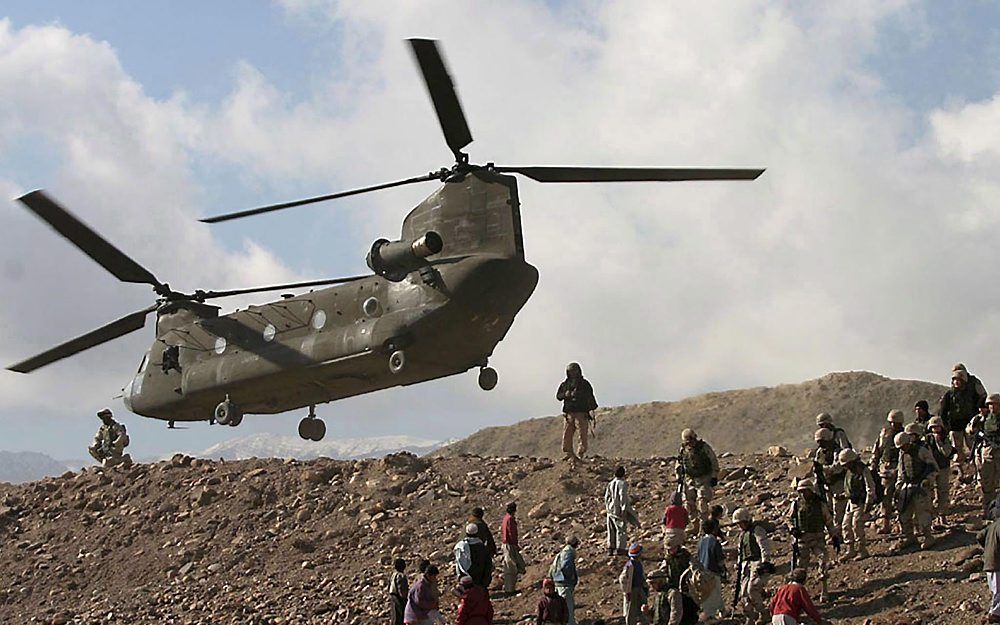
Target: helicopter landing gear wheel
point(312, 428)
point(228, 413)
point(397, 361)
point(488, 378)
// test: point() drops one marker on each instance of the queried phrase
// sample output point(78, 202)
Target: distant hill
point(270, 446)
point(28, 466)
point(739, 421)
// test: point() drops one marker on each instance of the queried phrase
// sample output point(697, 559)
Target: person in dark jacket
point(472, 558)
point(475, 607)
point(989, 538)
point(399, 589)
point(552, 608)
point(484, 533)
point(957, 408)
point(577, 396)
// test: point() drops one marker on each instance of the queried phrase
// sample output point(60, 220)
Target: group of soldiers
point(907, 480)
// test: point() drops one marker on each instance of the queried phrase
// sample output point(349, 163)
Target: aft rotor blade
point(442, 92)
point(204, 295)
point(320, 198)
point(630, 174)
point(121, 327)
point(85, 238)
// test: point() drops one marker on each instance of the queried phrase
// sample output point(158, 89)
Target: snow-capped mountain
point(28, 466)
point(270, 446)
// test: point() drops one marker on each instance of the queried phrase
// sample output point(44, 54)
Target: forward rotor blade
point(630, 174)
point(442, 92)
point(85, 238)
point(320, 198)
point(121, 327)
point(204, 295)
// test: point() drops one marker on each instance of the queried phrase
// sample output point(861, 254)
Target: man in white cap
point(957, 408)
point(471, 557)
point(940, 446)
point(698, 470)
point(811, 522)
point(831, 472)
point(754, 564)
point(917, 469)
point(840, 439)
point(987, 434)
point(577, 396)
point(859, 486)
point(885, 459)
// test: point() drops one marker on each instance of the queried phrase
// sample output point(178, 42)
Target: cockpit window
point(142, 365)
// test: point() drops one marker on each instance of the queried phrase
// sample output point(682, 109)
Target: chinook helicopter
point(439, 299)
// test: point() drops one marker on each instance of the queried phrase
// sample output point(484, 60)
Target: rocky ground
point(272, 542)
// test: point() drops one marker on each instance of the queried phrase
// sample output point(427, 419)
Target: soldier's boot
point(850, 554)
point(863, 553)
point(909, 540)
point(824, 595)
point(886, 526)
point(929, 539)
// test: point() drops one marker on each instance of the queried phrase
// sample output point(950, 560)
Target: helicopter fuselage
point(337, 342)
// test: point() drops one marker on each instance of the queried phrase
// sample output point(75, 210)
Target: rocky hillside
point(741, 421)
point(271, 542)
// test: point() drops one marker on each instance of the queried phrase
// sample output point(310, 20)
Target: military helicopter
point(439, 299)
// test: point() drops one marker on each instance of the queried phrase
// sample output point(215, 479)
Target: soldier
point(987, 448)
point(885, 458)
point(916, 431)
point(833, 473)
point(922, 412)
point(698, 469)
point(824, 420)
point(753, 565)
point(859, 486)
point(617, 506)
point(110, 441)
point(957, 408)
point(811, 521)
point(975, 383)
point(577, 396)
point(941, 448)
point(916, 466)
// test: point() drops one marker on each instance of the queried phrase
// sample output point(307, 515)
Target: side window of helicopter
point(139, 375)
point(171, 358)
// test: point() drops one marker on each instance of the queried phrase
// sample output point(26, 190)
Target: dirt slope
point(740, 421)
point(277, 542)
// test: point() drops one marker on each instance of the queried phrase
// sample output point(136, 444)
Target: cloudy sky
point(869, 243)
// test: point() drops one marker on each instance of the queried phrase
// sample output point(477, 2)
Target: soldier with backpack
point(832, 472)
point(957, 408)
point(885, 459)
point(698, 469)
point(862, 497)
point(753, 565)
point(916, 467)
point(811, 521)
point(939, 444)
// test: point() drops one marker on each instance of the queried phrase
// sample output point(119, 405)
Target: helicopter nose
point(127, 396)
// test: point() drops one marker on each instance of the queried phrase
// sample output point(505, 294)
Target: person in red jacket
point(513, 563)
point(475, 608)
point(675, 522)
point(552, 608)
point(792, 600)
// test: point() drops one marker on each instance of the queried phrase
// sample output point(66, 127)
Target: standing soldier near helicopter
point(577, 396)
point(698, 469)
point(885, 460)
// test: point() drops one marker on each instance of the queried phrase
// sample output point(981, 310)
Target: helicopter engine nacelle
point(394, 259)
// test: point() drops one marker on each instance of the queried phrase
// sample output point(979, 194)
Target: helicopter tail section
point(476, 214)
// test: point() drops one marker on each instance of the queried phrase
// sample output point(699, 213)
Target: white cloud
point(121, 163)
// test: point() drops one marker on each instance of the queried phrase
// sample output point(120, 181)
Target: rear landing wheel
point(228, 413)
point(312, 429)
point(488, 378)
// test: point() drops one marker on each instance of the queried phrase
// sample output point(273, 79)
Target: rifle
point(739, 582)
point(796, 532)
